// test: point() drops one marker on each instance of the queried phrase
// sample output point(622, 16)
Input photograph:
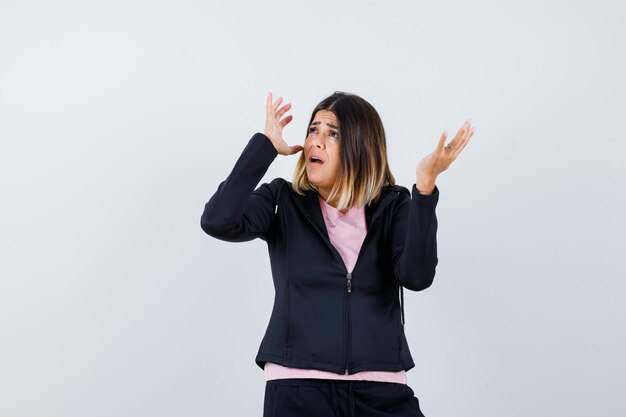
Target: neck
point(333, 204)
point(324, 193)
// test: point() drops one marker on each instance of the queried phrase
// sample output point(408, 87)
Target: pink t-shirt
point(346, 232)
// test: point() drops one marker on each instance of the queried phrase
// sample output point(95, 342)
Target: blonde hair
point(363, 169)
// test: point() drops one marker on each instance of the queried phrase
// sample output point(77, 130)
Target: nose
point(318, 142)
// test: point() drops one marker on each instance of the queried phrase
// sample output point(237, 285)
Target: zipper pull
point(349, 282)
point(276, 209)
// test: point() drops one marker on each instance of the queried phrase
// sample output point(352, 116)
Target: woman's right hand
point(274, 125)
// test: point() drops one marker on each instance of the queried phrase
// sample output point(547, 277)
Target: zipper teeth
point(340, 259)
point(346, 335)
point(348, 324)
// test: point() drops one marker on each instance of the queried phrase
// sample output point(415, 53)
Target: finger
point(464, 144)
point(286, 120)
point(442, 140)
point(466, 134)
point(282, 110)
point(460, 133)
point(275, 106)
point(296, 149)
point(268, 104)
point(467, 129)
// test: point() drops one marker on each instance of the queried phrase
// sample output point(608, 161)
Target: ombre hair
point(363, 166)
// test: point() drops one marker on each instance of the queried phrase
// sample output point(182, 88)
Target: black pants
point(310, 397)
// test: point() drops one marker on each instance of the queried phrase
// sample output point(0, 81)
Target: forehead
point(326, 116)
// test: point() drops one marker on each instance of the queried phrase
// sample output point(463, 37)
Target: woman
point(343, 241)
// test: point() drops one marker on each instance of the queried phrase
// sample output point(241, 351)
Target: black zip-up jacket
point(324, 317)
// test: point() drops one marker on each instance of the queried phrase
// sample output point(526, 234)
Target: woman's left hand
point(440, 159)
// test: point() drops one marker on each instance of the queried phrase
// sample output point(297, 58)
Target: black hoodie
point(324, 317)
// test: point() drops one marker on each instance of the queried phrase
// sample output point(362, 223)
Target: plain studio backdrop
point(119, 119)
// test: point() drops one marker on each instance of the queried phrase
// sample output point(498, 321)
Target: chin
point(314, 180)
point(318, 179)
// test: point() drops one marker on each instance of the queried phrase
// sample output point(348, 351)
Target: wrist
point(267, 135)
point(425, 185)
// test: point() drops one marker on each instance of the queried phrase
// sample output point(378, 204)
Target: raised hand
point(440, 159)
point(274, 125)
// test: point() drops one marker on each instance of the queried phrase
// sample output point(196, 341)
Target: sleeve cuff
point(264, 145)
point(425, 199)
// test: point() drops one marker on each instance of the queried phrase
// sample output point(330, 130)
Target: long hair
point(363, 168)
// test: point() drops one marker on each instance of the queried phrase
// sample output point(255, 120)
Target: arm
point(414, 228)
point(237, 212)
point(414, 239)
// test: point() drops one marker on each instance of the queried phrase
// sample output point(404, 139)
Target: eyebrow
point(327, 124)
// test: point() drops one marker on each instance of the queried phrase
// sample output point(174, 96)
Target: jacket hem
point(338, 369)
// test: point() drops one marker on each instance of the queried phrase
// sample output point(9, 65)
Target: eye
point(312, 130)
point(333, 133)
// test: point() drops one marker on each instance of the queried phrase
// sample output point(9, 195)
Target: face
point(323, 142)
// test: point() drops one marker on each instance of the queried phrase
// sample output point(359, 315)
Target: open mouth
point(315, 161)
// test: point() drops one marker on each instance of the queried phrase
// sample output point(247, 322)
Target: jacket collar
point(310, 206)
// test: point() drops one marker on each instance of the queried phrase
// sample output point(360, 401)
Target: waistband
point(337, 383)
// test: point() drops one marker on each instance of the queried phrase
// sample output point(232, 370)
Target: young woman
point(343, 241)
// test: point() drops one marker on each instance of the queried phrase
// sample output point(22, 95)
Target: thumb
point(296, 149)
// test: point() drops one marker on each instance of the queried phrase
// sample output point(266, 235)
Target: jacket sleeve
point(237, 212)
point(414, 239)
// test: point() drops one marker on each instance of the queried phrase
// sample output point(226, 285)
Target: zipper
point(349, 322)
point(349, 287)
point(338, 257)
point(349, 274)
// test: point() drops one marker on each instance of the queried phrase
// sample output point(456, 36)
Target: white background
point(119, 119)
